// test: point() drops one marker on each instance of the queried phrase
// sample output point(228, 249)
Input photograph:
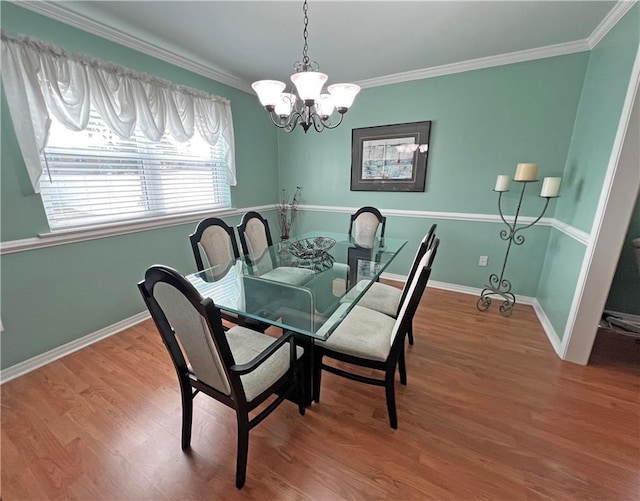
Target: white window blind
point(95, 177)
point(43, 83)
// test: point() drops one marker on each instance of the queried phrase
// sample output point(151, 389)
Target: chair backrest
point(410, 303)
point(363, 226)
point(190, 327)
point(218, 243)
point(256, 242)
point(426, 243)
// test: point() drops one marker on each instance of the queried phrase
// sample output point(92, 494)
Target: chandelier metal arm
point(306, 119)
point(324, 123)
point(287, 110)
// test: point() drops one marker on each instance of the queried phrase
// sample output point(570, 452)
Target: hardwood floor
point(490, 412)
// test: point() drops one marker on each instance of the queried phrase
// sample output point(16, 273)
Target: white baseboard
point(551, 333)
point(475, 291)
point(464, 289)
point(66, 349)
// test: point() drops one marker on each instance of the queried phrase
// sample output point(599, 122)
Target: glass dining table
point(306, 286)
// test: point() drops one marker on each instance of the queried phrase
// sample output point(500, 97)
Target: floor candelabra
point(498, 285)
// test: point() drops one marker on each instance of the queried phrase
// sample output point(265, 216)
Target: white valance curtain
point(41, 80)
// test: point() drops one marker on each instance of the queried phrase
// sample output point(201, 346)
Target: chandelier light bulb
point(309, 84)
point(285, 104)
point(343, 94)
point(268, 91)
point(309, 108)
point(325, 106)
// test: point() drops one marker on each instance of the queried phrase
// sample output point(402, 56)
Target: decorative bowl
point(312, 253)
point(309, 247)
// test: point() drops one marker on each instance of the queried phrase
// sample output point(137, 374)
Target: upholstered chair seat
point(240, 368)
point(371, 339)
point(363, 333)
point(257, 246)
point(289, 275)
point(387, 298)
point(247, 344)
point(380, 297)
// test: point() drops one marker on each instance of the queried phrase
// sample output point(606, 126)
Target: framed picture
point(390, 157)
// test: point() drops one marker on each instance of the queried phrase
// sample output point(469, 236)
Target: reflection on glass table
point(331, 263)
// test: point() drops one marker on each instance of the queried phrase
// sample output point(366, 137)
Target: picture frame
point(390, 157)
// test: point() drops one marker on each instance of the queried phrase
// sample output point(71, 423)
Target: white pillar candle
point(502, 183)
point(526, 172)
point(550, 187)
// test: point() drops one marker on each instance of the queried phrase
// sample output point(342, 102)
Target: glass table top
point(307, 285)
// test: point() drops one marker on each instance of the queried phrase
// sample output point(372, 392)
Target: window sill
point(73, 235)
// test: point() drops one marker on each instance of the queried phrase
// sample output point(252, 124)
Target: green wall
point(560, 112)
point(604, 90)
point(483, 123)
point(624, 295)
point(599, 112)
point(54, 295)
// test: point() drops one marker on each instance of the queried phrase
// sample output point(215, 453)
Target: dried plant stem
point(287, 211)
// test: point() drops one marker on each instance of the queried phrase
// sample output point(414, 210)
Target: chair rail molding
point(578, 235)
point(74, 235)
point(63, 237)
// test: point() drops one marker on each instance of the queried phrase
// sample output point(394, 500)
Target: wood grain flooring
point(490, 412)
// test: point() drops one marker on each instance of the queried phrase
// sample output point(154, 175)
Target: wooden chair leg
point(402, 368)
point(187, 413)
point(391, 397)
point(317, 375)
point(243, 449)
point(410, 333)
point(300, 393)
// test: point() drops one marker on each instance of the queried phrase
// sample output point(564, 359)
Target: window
point(93, 176)
point(70, 113)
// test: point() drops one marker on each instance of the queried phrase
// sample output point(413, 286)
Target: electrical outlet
point(483, 261)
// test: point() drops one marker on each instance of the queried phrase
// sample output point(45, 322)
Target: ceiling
point(353, 41)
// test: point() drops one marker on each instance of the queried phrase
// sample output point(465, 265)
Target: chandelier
point(310, 107)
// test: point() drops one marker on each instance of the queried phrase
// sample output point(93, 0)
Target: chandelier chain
point(287, 110)
point(305, 34)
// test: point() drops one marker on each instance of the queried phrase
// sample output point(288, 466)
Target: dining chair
point(363, 226)
point(214, 247)
point(387, 298)
point(240, 368)
point(214, 239)
point(370, 339)
point(257, 247)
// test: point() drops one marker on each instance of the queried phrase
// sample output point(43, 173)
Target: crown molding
point(59, 13)
point(478, 64)
point(611, 19)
